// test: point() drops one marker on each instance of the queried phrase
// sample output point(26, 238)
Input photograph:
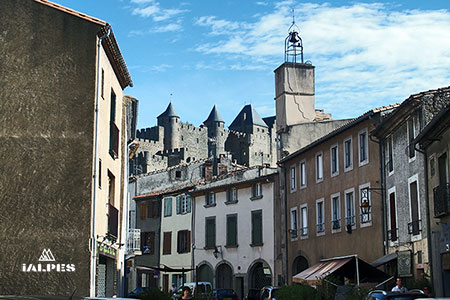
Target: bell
point(294, 37)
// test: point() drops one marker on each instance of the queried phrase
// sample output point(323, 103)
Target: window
point(363, 142)
point(113, 130)
point(184, 241)
point(320, 221)
point(178, 279)
point(210, 198)
point(183, 204)
point(210, 231)
point(410, 129)
point(294, 225)
point(167, 207)
point(349, 207)
point(257, 238)
point(232, 195)
point(153, 209)
point(111, 188)
point(177, 174)
point(143, 208)
point(304, 220)
point(334, 160)
point(148, 242)
point(364, 195)
point(390, 154)
point(257, 190)
point(100, 173)
point(348, 154)
point(336, 211)
point(319, 167)
point(392, 232)
point(167, 243)
point(232, 230)
point(415, 226)
point(293, 179)
point(303, 174)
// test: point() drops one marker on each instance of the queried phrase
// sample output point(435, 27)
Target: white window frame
point(366, 142)
point(348, 191)
point(210, 198)
point(349, 168)
point(339, 217)
point(391, 139)
point(303, 175)
point(361, 187)
point(335, 146)
point(411, 179)
point(184, 203)
point(294, 225)
point(168, 213)
point(303, 221)
point(388, 205)
point(293, 178)
point(321, 201)
point(413, 119)
point(319, 166)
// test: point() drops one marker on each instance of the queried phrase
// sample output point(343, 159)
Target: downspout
point(427, 207)
point(357, 270)
point(92, 290)
point(282, 187)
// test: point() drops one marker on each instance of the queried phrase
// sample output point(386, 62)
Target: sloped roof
point(338, 130)
point(169, 112)
point(110, 44)
point(214, 116)
point(247, 116)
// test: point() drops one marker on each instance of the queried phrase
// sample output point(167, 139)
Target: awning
point(164, 269)
point(384, 259)
point(316, 273)
point(350, 267)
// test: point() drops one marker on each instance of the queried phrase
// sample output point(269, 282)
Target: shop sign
point(106, 250)
point(404, 263)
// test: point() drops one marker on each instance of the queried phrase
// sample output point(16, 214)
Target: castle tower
point(216, 137)
point(169, 119)
point(294, 85)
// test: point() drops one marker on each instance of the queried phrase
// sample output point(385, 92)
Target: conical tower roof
point(247, 116)
point(214, 116)
point(169, 112)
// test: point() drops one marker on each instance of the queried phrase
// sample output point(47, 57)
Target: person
point(426, 290)
point(186, 293)
point(399, 287)
point(174, 289)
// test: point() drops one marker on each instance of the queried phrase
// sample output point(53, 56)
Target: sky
point(204, 52)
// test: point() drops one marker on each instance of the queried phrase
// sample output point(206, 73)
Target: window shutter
point(210, 232)
point(178, 205)
point(257, 227)
point(232, 230)
point(143, 208)
point(188, 203)
point(150, 209)
point(188, 241)
point(179, 241)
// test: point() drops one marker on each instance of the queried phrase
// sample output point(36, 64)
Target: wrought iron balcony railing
point(392, 234)
point(415, 227)
point(336, 224)
point(350, 220)
point(441, 197)
point(304, 231)
point(320, 227)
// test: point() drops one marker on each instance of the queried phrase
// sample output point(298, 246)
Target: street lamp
point(217, 252)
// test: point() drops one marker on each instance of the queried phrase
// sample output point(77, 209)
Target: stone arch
point(224, 275)
point(205, 272)
point(299, 264)
point(259, 274)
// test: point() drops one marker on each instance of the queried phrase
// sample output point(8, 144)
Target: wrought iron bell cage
point(293, 46)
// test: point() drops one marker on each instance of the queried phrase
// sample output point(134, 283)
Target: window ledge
point(256, 197)
point(231, 246)
point(257, 245)
point(231, 202)
point(209, 205)
point(209, 248)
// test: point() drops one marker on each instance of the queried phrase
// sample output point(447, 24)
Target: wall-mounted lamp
point(217, 252)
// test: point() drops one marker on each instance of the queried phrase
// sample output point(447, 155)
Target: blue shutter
point(178, 205)
point(188, 203)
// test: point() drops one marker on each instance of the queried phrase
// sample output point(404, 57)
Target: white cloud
point(168, 28)
point(154, 10)
point(362, 52)
point(262, 3)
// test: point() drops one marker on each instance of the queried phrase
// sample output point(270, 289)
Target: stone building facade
point(61, 205)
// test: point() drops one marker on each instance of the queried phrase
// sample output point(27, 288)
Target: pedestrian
point(174, 288)
point(399, 287)
point(186, 293)
point(427, 291)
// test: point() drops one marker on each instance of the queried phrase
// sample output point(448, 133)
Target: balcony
point(350, 220)
point(441, 200)
point(304, 231)
point(113, 140)
point(415, 227)
point(113, 221)
point(293, 233)
point(392, 235)
point(134, 241)
point(336, 224)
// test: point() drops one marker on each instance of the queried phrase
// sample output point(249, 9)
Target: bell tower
point(294, 84)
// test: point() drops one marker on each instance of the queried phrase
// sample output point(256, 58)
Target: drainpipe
point(427, 208)
point(92, 290)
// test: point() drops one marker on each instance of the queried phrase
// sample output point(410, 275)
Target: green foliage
point(297, 291)
point(412, 283)
point(154, 294)
point(327, 289)
point(357, 293)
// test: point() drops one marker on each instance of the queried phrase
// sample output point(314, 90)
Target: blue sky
point(205, 52)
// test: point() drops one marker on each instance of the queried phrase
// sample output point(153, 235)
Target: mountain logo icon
point(46, 255)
